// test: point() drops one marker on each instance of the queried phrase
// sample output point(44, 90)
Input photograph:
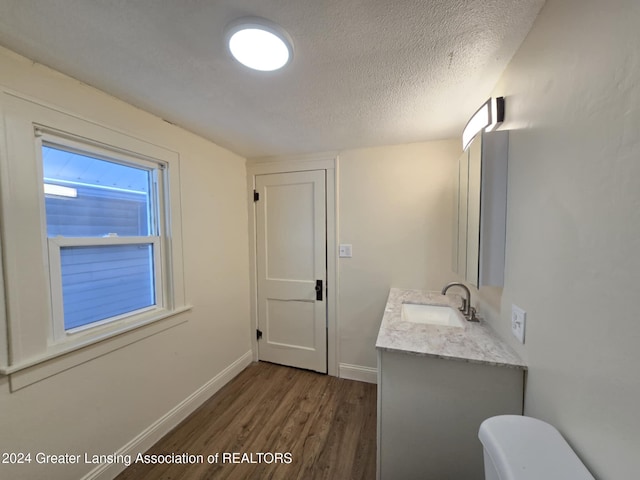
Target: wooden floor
point(326, 424)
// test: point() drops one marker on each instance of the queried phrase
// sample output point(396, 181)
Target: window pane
point(89, 197)
point(99, 282)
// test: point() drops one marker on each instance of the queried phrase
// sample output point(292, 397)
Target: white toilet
point(523, 448)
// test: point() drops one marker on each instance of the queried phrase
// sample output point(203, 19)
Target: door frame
point(300, 163)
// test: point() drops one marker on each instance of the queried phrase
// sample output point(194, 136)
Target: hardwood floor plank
point(326, 424)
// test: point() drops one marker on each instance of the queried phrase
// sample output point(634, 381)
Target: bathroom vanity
point(437, 382)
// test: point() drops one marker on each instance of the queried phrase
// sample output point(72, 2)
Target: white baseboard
point(152, 434)
point(357, 372)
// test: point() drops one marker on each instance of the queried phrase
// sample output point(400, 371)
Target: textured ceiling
point(364, 73)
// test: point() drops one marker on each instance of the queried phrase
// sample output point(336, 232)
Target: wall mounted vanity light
point(259, 44)
point(487, 117)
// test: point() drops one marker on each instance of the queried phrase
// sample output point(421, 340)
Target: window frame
point(158, 171)
point(34, 349)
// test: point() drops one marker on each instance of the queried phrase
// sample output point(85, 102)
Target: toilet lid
point(524, 448)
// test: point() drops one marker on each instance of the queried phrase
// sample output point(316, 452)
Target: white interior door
point(292, 263)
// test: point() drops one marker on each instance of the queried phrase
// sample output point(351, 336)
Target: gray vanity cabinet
point(480, 220)
point(430, 410)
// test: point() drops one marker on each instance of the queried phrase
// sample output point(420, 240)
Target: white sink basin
point(431, 314)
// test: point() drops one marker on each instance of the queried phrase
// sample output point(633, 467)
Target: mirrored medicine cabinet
point(480, 210)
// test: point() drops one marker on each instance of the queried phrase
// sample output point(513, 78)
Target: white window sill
point(65, 356)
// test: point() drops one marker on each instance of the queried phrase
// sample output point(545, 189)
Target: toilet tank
point(524, 448)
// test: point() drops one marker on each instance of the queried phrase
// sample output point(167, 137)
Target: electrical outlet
point(518, 322)
point(345, 250)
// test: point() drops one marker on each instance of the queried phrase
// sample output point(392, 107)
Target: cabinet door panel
point(474, 208)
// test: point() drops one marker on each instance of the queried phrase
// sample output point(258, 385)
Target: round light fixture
point(259, 44)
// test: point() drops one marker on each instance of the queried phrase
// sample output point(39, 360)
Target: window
point(104, 234)
point(91, 240)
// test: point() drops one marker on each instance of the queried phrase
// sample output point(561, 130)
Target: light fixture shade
point(487, 117)
point(259, 44)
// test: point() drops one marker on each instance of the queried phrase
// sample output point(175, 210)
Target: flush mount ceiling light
point(259, 44)
point(488, 117)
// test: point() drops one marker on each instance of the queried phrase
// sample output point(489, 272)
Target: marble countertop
point(476, 342)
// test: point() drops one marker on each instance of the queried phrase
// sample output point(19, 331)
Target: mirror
point(480, 212)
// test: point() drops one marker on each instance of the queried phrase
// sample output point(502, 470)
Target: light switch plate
point(345, 250)
point(518, 322)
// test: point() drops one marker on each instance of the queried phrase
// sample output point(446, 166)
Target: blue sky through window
point(111, 198)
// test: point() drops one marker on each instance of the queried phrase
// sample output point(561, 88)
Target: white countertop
point(476, 342)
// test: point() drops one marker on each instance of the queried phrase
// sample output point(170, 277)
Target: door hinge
point(258, 334)
point(256, 196)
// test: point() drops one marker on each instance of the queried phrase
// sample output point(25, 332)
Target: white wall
point(573, 109)
point(99, 406)
point(395, 208)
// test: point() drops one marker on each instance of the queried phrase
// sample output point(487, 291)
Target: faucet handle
point(472, 315)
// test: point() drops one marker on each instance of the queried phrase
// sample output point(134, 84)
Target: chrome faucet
point(467, 310)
